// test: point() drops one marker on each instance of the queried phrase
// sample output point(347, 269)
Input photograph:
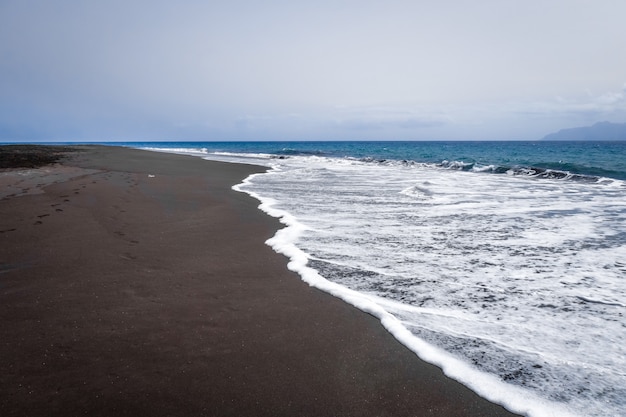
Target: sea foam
point(513, 398)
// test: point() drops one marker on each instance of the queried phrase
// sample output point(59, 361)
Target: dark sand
point(138, 284)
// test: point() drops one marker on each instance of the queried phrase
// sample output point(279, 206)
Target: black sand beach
point(135, 283)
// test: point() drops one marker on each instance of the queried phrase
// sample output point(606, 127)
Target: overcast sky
point(314, 70)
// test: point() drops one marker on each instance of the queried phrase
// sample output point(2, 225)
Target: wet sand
point(136, 283)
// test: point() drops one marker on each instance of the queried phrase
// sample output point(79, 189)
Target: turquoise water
point(600, 159)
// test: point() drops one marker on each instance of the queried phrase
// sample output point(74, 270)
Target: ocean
point(504, 263)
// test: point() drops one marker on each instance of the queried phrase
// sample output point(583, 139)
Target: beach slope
point(137, 283)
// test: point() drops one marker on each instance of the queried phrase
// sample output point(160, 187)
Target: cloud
point(606, 105)
point(385, 118)
point(233, 70)
point(612, 100)
point(268, 122)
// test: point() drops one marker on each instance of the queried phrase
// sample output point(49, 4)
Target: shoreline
point(138, 282)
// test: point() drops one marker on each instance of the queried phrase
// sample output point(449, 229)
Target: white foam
point(511, 397)
point(247, 158)
point(182, 151)
point(451, 245)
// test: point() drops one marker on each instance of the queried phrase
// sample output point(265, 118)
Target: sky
point(148, 70)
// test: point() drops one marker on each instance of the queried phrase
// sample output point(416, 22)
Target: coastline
point(138, 283)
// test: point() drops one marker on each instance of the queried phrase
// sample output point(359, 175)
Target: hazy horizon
point(341, 70)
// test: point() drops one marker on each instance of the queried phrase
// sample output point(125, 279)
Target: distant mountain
point(599, 131)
